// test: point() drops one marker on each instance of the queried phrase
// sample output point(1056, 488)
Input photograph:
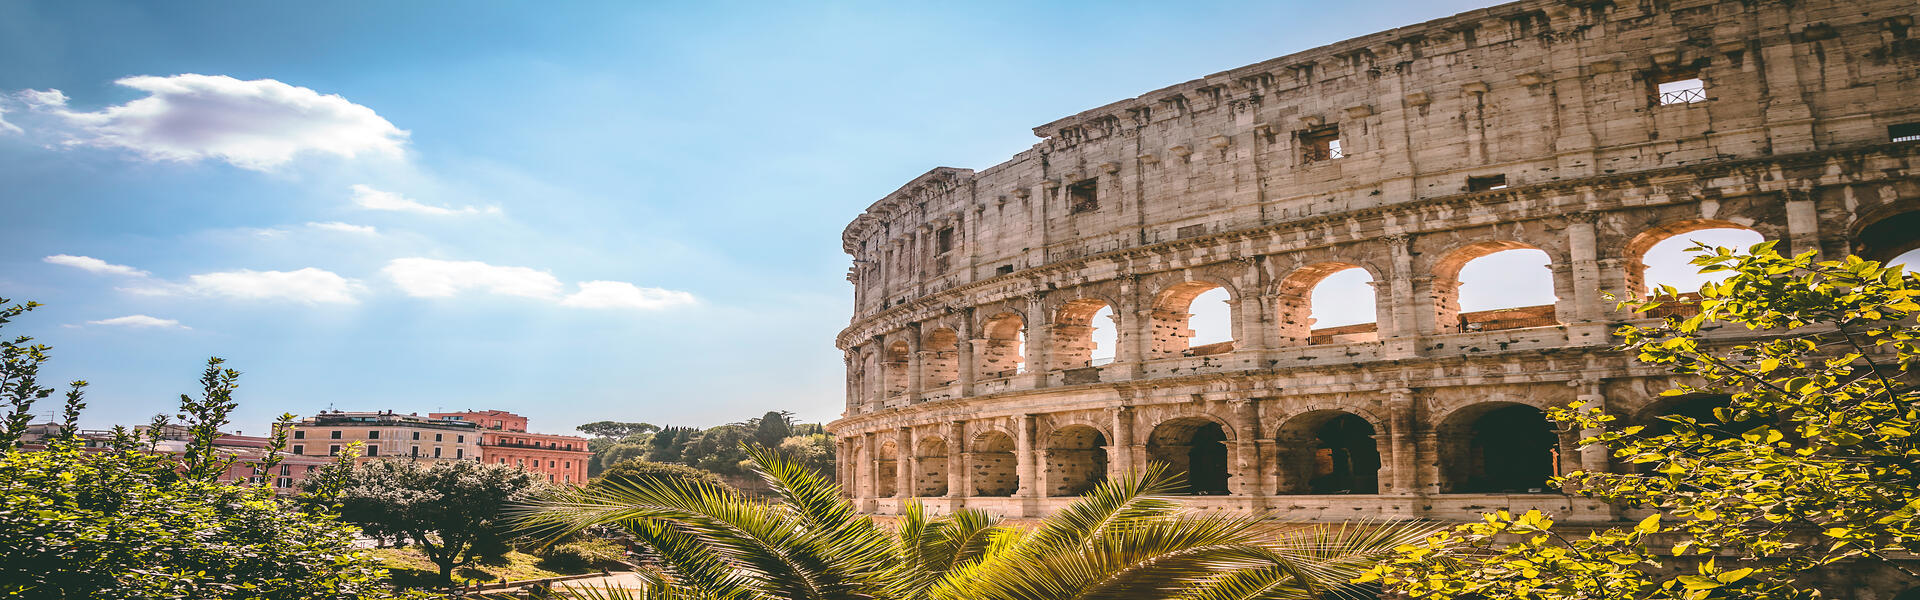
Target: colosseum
point(1588, 131)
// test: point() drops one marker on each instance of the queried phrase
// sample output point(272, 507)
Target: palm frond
point(1115, 503)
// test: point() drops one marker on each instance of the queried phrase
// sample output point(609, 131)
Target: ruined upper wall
point(1533, 92)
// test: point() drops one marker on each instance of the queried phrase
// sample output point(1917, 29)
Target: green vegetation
point(128, 522)
point(721, 450)
point(1812, 460)
point(410, 568)
point(636, 471)
point(1123, 540)
point(450, 511)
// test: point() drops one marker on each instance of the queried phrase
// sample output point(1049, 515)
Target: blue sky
point(575, 211)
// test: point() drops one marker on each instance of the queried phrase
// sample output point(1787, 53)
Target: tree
point(637, 471)
point(127, 522)
point(815, 452)
point(616, 430)
point(1812, 461)
point(772, 428)
point(1123, 540)
point(452, 510)
point(720, 449)
point(670, 444)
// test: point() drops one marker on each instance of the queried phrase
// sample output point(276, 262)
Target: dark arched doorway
point(1195, 448)
point(1500, 448)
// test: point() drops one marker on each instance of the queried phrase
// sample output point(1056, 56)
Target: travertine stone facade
point(1587, 130)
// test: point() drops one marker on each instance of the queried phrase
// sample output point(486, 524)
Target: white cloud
point(374, 199)
point(140, 321)
point(427, 277)
point(344, 227)
point(308, 285)
point(94, 265)
point(620, 294)
point(6, 127)
point(258, 124)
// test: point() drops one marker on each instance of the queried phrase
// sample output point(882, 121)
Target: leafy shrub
point(636, 471)
point(584, 555)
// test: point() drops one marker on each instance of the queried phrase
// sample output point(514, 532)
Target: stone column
point(1427, 453)
point(1400, 431)
point(1596, 458)
point(904, 463)
point(957, 467)
point(870, 472)
point(966, 348)
point(916, 380)
point(841, 450)
point(1586, 325)
point(1246, 430)
point(1803, 223)
point(1252, 311)
point(1039, 341)
point(1120, 459)
point(1400, 324)
point(1024, 456)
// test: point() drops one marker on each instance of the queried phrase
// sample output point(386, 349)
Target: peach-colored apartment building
point(504, 439)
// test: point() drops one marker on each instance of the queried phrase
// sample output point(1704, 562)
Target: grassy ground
point(409, 568)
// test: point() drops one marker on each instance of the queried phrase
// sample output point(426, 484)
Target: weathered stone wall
point(1534, 124)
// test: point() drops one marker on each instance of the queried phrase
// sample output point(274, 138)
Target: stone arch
point(886, 470)
point(1076, 460)
point(1637, 247)
point(894, 368)
point(939, 358)
point(1447, 317)
point(1001, 351)
point(1329, 451)
point(1073, 327)
point(995, 469)
point(1887, 231)
point(1168, 319)
point(1195, 447)
point(1294, 300)
point(930, 479)
point(1497, 447)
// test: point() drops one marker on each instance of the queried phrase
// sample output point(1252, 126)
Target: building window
point(436, 437)
point(333, 450)
point(1904, 132)
point(335, 434)
point(283, 482)
point(373, 434)
point(1321, 144)
point(1083, 197)
point(503, 461)
point(286, 470)
point(436, 452)
point(416, 451)
point(459, 453)
point(373, 450)
point(416, 435)
point(299, 435)
point(1003, 270)
point(569, 464)
point(943, 240)
point(1679, 87)
point(299, 449)
point(461, 439)
point(1489, 182)
point(549, 464)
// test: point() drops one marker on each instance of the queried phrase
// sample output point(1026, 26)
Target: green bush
point(584, 555)
point(636, 471)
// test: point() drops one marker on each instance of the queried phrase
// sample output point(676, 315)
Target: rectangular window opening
point(1003, 270)
point(373, 450)
point(1684, 87)
point(1487, 182)
point(1904, 132)
point(1083, 197)
point(943, 240)
point(373, 435)
point(1321, 144)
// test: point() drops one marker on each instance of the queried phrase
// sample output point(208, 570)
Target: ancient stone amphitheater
point(1589, 130)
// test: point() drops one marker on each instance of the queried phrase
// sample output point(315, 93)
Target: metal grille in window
point(1682, 91)
point(1904, 132)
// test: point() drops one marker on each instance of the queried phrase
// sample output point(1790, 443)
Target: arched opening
point(1078, 334)
point(930, 480)
point(1494, 285)
point(1329, 452)
point(886, 471)
point(895, 369)
point(1662, 257)
point(1193, 447)
point(1076, 460)
point(1499, 448)
point(995, 468)
point(1330, 303)
point(1889, 237)
point(940, 358)
point(1192, 318)
point(1005, 347)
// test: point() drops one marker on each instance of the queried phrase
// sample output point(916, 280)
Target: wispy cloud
point(431, 278)
point(344, 227)
point(308, 286)
point(6, 127)
point(140, 322)
point(620, 294)
point(374, 199)
point(258, 124)
point(94, 265)
point(434, 278)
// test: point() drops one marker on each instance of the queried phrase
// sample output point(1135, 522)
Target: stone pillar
point(1596, 458)
point(1246, 430)
point(841, 450)
point(965, 348)
point(1251, 311)
point(1803, 223)
point(1400, 428)
point(1427, 453)
point(1399, 324)
point(957, 467)
point(1024, 456)
point(1039, 341)
point(904, 463)
point(916, 380)
point(1586, 325)
point(1120, 458)
point(870, 472)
